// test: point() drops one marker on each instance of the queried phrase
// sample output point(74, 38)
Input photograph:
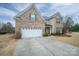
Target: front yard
point(73, 40)
point(7, 44)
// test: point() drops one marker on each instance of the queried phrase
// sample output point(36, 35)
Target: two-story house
point(30, 23)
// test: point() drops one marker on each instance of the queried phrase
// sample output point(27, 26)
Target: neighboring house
point(30, 23)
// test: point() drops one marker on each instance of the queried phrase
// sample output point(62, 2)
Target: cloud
point(46, 9)
point(69, 9)
point(6, 15)
point(6, 11)
point(20, 6)
point(60, 4)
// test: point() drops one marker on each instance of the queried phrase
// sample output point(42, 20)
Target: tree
point(10, 28)
point(3, 29)
point(68, 24)
point(75, 28)
point(7, 28)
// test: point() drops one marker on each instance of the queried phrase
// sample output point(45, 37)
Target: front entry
point(48, 29)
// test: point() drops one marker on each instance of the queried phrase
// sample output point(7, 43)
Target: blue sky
point(9, 10)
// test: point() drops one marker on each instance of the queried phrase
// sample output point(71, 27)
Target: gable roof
point(27, 9)
point(57, 14)
point(22, 12)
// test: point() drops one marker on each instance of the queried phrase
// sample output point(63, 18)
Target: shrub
point(45, 34)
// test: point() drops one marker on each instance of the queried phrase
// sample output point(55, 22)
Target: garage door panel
point(31, 33)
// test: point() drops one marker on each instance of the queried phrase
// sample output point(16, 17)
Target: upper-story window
point(33, 17)
point(57, 21)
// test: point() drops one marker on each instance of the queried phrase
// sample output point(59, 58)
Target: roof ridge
point(26, 9)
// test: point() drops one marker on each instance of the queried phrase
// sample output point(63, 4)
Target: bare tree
point(68, 24)
point(9, 28)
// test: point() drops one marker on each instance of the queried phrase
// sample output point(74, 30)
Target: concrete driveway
point(44, 47)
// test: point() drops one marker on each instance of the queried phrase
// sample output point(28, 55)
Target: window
point(57, 21)
point(33, 17)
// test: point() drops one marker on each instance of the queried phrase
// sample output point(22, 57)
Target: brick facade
point(24, 21)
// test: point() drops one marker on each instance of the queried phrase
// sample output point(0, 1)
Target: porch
point(48, 28)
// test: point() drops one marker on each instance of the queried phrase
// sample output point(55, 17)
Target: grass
point(73, 40)
point(7, 45)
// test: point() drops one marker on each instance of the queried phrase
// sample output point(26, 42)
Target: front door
point(47, 29)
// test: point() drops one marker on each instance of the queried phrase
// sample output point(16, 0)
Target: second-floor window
point(33, 17)
point(57, 21)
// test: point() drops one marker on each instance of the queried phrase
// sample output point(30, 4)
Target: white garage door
point(26, 33)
